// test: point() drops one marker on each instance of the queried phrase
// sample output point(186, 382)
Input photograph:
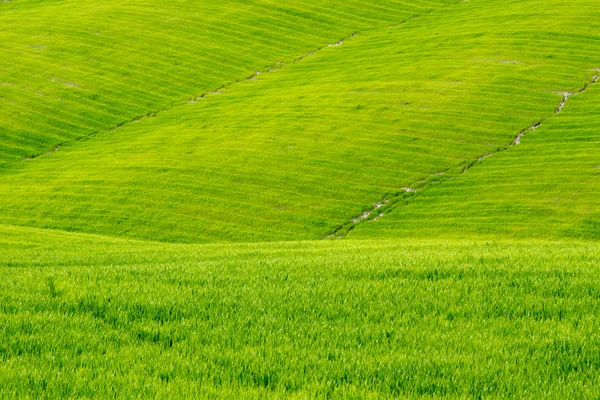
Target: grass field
point(301, 150)
point(322, 319)
point(75, 68)
point(304, 199)
point(547, 187)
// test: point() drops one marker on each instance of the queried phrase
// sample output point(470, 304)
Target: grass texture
point(345, 319)
point(70, 68)
point(296, 152)
point(547, 187)
point(168, 168)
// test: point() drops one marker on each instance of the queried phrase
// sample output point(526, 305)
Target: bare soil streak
point(404, 195)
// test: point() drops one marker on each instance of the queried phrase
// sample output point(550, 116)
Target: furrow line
point(278, 65)
point(407, 194)
point(152, 114)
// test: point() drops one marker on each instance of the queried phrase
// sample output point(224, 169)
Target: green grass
point(72, 68)
point(161, 203)
point(307, 320)
point(303, 149)
point(547, 187)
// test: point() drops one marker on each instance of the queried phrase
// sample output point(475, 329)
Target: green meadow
point(257, 199)
point(547, 187)
point(72, 68)
point(294, 153)
point(93, 317)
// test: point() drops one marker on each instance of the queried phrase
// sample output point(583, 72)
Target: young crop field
point(73, 68)
point(293, 153)
point(301, 199)
point(347, 319)
point(546, 187)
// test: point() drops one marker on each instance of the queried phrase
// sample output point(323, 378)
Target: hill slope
point(297, 152)
point(70, 68)
point(546, 187)
point(423, 112)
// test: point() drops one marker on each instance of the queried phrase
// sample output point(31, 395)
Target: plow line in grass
point(406, 194)
point(274, 67)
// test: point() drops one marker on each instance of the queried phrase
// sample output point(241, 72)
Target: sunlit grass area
point(234, 199)
point(296, 152)
point(86, 316)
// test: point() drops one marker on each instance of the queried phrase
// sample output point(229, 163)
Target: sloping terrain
point(296, 152)
point(169, 170)
point(546, 187)
point(71, 68)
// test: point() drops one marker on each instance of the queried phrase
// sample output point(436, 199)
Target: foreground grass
point(86, 316)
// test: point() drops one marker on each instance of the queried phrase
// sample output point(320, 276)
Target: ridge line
point(391, 201)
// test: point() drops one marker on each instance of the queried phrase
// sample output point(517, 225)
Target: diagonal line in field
point(194, 99)
point(407, 194)
point(178, 103)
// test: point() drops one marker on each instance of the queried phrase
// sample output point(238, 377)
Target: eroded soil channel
point(278, 65)
point(405, 195)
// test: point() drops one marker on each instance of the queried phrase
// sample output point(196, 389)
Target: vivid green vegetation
point(70, 68)
point(547, 187)
point(168, 168)
point(310, 320)
point(300, 150)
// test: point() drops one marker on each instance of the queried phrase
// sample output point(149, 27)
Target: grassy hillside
point(84, 316)
point(139, 140)
point(72, 68)
point(297, 152)
point(547, 187)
